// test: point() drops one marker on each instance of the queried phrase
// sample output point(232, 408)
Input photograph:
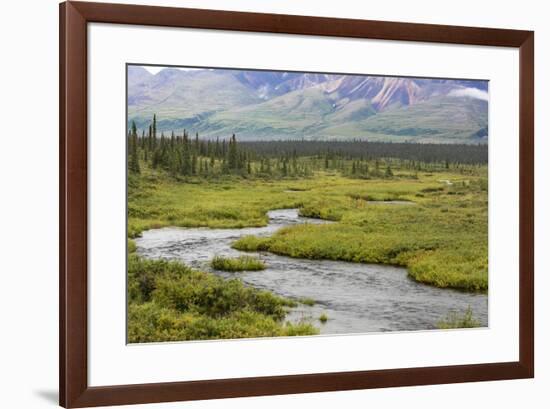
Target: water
point(356, 297)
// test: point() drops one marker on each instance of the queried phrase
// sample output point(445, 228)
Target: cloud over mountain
point(470, 92)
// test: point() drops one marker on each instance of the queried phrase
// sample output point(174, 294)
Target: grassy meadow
point(436, 229)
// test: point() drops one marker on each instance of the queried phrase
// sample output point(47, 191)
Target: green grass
point(457, 320)
point(323, 318)
point(310, 302)
point(441, 238)
point(242, 263)
point(171, 302)
point(131, 246)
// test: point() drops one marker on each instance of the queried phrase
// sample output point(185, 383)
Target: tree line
point(420, 152)
point(180, 154)
point(183, 155)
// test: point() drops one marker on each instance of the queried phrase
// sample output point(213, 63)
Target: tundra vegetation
point(459, 320)
point(242, 263)
point(171, 302)
point(423, 207)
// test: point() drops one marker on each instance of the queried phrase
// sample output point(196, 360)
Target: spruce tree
point(186, 160)
point(232, 158)
point(133, 150)
point(154, 132)
point(194, 164)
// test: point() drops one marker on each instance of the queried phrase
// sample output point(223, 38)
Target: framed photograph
point(259, 204)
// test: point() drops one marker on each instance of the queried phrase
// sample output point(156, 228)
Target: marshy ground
point(429, 225)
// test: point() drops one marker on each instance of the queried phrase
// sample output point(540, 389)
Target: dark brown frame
point(73, 381)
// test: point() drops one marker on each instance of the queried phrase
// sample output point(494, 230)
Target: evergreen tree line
point(418, 152)
point(182, 155)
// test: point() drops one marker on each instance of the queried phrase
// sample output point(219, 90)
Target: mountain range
point(268, 105)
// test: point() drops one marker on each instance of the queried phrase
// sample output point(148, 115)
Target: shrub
point(170, 302)
point(456, 320)
point(131, 246)
point(150, 322)
point(143, 275)
point(251, 243)
point(242, 263)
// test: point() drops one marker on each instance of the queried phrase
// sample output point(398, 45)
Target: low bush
point(150, 322)
point(242, 263)
point(131, 246)
point(168, 301)
point(457, 320)
point(251, 243)
point(310, 302)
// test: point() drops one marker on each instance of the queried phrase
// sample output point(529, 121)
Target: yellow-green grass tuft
point(242, 263)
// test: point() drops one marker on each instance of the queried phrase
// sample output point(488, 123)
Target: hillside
point(259, 105)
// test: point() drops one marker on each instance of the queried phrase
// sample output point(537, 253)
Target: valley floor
point(435, 225)
point(432, 223)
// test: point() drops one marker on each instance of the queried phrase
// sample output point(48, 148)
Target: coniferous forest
point(180, 154)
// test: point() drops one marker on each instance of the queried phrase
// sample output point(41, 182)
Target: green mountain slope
point(274, 105)
point(313, 115)
point(183, 99)
point(287, 116)
point(454, 119)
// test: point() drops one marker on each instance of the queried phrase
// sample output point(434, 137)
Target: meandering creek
point(355, 297)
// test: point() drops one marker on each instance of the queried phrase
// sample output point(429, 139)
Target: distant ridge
point(260, 105)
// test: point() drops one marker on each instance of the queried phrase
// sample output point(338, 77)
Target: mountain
point(291, 105)
point(440, 119)
point(183, 99)
point(137, 75)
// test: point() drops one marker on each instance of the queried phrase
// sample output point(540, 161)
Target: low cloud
point(470, 93)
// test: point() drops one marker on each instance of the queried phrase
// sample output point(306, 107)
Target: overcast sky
point(156, 68)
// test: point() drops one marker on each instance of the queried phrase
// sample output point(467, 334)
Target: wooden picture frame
point(73, 229)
